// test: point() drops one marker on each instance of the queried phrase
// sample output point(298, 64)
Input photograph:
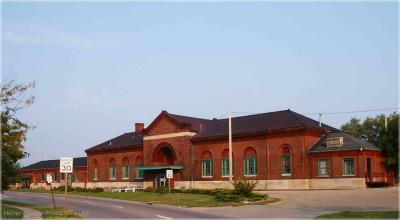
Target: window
point(286, 161)
point(95, 170)
point(139, 173)
point(139, 163)
point(225, 167)
point(42, 177)
point(62, 176)
point(323, 167)
point(207, 168)
point(95, 173)
point(225, 163)
point(207, 164)
point(348, 167)
point(55, 176)
point(113, 173)
point(77, 177)
point(125, 168)
point(250, 166)
point(250, 162)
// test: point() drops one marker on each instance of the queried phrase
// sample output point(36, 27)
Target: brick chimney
point(139, 127)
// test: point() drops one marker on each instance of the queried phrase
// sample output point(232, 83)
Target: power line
point(349, 112)
point(330, 113)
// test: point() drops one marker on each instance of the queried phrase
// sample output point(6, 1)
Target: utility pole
point(320, 118)
point(230, 146)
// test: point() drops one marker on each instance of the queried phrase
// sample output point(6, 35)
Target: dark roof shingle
point(258, 123)
point(349, 143)
point(48, 164)
point(124, 141)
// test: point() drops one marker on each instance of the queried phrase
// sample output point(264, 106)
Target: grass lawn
point(178, 199)
point(48, 212)
point(11, 212)
point(362, 215)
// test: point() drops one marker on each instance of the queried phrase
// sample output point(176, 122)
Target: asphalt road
point(89, 207)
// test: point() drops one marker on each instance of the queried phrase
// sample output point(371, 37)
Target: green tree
point(13, 98)
point(381, 134)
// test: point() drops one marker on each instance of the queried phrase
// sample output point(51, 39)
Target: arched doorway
point(164, 154)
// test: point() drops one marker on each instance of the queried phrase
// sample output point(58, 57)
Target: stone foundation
point(114, 185)
point(337, 183)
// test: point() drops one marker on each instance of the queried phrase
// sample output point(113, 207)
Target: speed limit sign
point(66, 164)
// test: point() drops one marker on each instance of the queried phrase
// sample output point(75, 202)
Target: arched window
point(207, 164)
point(250, 162)
point(113, 171)
point(125, 168)
point(286, 161)
point(95, 170)
point(225, 162)
point(138, 164)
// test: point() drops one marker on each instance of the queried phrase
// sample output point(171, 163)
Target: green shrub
point(97, 190)
point(149, 189)
point(80, 189)
point(256, 197)
point(228, 198)
point(243, 188)
point(162, 189)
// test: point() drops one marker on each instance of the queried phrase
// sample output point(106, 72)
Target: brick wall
point(102, 159)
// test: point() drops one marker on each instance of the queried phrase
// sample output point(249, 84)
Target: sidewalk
point(28, 213)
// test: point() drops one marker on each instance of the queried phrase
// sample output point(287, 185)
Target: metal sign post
point(66, 166)
point(169, 174)
point(49, 180)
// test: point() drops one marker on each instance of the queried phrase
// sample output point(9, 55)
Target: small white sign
point(66, 164)
point(170, 174)
point(49, 178)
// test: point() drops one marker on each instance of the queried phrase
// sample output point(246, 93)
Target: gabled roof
point(349, 143)
point(122, 142)
point(258, 123)
point(193, 122)
point(48, 164)
point(181, 121)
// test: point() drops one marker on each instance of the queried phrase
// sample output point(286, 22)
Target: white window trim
point(125, 178)
point(343, 169)
point(95, 179)
point(206, 176)
point(324, 175)
point(286, 174)
point(227, 176)
point(113, 178)
point(250, 175)
point(348, 175)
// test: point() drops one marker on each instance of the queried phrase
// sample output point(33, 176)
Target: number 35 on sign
point(66, 164)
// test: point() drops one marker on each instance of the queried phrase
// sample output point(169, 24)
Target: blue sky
point(101, 67)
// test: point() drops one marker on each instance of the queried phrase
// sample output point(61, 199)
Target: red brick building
point(34, 175)
point(280, 150)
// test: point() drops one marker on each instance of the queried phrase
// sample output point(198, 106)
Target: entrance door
point(161, 180)
point(369, 165)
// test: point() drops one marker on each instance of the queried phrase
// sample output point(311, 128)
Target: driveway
point(311, 203)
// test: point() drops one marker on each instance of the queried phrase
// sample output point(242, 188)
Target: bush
point(256, 197)
point(149, 189)
point(243, 188)
point(228, 198)
point(80, 189)
point(98, 189)
point(162, 189)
